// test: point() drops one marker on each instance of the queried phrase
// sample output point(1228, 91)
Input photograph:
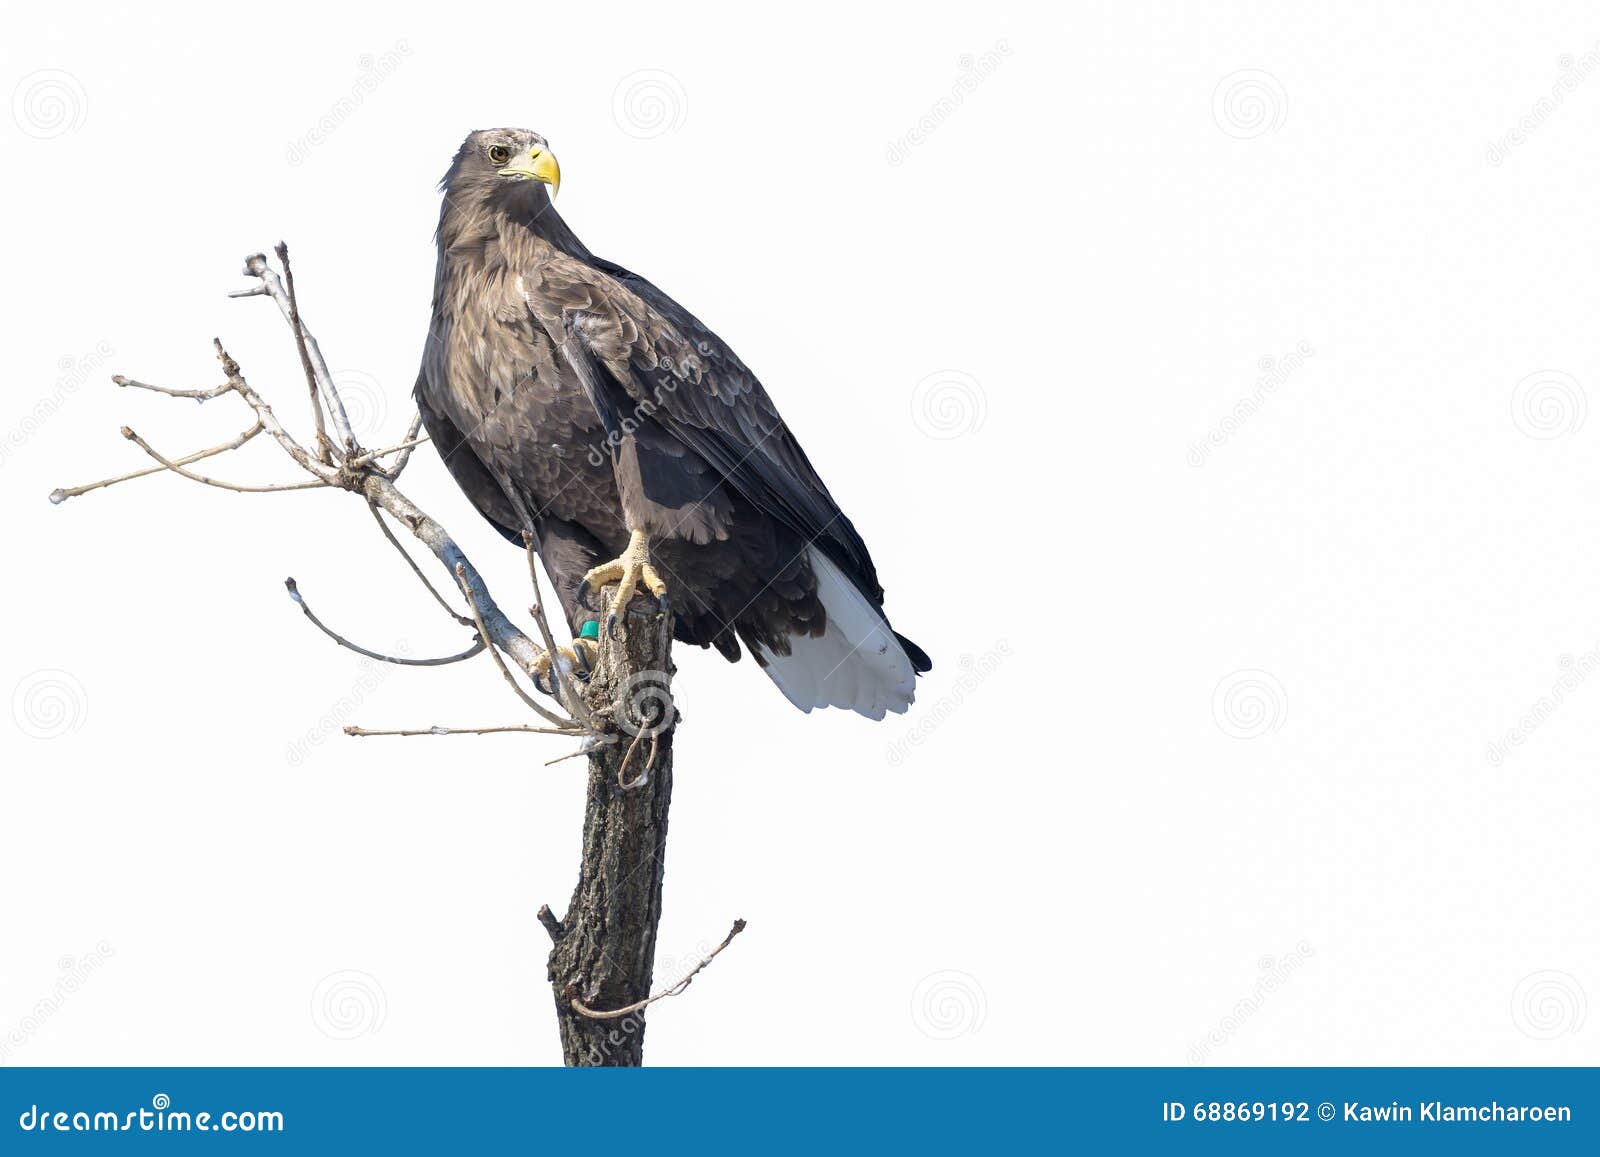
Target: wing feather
point(662, 363)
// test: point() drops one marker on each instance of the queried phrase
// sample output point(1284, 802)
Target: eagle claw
point(627, 571)
point(580, 657)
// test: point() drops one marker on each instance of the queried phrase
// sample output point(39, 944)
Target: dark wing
point(660, 360)
point(469, 472)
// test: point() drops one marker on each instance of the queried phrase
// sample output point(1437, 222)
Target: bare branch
point(268, 419)
point(371, 456)
point(477, 617)
point(324, 447)
point(415, 569)
point(294, 593)
point(237, 487)
point(551, 924)
point(502, 633)
point(197, 395)
point(409, 443)
point(588, 747)
point(583, 1010)
point(256, 265)
point(61, 495)
point(569, 697)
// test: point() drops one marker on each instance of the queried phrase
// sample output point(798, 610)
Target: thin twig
point(324, 448)
point(583, 1010)
point(408, 444)
point(268, 419)
point(589, 746)
point(294, 593)
point(569, 697)
point(256, 265)
point(643, 777)
point(197, 395)
point(551, 924)
point(238, 487)
point(503, 633)
point(477, 618)
point(60, 495)
point(372, 456)
point(415, 569)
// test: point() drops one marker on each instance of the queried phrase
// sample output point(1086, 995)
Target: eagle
point(573, 400)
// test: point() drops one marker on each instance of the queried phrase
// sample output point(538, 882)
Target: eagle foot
point(580, 659)
point(627, 572)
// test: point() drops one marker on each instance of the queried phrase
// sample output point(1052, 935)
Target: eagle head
point(503, 164)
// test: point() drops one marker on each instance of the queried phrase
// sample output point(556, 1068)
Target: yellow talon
point(578, 659)
point(627, 572)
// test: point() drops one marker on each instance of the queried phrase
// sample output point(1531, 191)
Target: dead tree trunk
point(605, 946)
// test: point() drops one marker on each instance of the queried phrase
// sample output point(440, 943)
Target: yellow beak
point(536, 164)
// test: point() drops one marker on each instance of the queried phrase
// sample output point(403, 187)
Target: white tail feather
point(857, 663)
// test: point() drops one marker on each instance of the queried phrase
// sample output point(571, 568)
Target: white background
point(1203, 770)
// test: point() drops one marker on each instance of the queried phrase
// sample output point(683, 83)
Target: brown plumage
point(570, 395)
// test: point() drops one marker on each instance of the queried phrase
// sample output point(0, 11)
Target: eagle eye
point(500, 154)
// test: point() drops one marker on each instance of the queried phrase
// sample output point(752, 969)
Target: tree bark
point(605, 946)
